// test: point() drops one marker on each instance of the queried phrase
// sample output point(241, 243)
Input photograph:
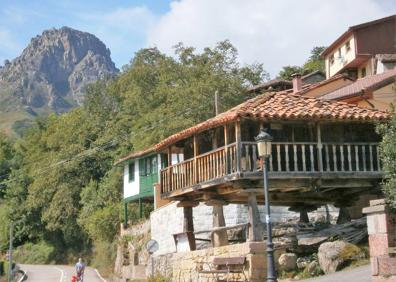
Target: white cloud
point(118, 28)
point(276, 33)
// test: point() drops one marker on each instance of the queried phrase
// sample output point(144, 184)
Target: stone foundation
point(184, 266)
point(381, 224)
point(168, 220)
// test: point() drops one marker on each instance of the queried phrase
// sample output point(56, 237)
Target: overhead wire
point(90, 151)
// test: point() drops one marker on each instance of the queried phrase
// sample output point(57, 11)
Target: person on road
point(80, 267)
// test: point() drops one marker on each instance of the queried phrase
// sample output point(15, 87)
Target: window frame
point(131, 168)
point(348, 46)
point(331, 59)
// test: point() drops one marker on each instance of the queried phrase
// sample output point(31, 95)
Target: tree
point(65, 190)
point(314, 63)
point(287, 72)
point(388, 158)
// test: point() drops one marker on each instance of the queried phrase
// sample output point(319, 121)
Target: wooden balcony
point(297, 160)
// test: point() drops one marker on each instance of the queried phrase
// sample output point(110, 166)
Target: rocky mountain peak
point(54, 69)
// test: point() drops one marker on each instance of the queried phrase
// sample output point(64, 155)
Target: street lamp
point(264, 145)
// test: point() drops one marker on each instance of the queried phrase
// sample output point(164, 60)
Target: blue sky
point(275, 33)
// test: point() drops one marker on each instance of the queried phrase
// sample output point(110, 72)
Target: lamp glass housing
point(264, 148)
point(264, 144)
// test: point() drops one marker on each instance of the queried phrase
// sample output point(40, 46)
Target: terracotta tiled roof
point(282, 106)
point(368, 83)
point(313, 86)
point(135, 155)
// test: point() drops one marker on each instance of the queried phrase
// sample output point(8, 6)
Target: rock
point(53, 70)
point(287, 261)
point(302, 262)
point(313, 268)
point(334, 255)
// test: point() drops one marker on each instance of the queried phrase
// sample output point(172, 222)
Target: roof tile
point(282, 106)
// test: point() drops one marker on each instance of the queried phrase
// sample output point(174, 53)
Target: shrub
point(158, 278)
point(103, 257)
point(40, 253)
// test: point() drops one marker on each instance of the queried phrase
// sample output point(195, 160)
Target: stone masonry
point(168, 220)
point(381, 224)
point(184, 266)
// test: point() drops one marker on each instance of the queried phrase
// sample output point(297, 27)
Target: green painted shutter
point(142, 167)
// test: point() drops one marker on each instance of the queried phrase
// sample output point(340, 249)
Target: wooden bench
point(224, 266)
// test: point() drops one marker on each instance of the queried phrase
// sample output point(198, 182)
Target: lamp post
point(264, 145)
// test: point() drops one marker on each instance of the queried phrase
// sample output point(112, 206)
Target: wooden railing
point(314, 157)
point(296, 157)
point(205, 167)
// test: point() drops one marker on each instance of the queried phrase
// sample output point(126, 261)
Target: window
point(148, 166)
point(331, 59)
point(348, 46)
point(131, 171)
point(363, 72)
point(339, 52)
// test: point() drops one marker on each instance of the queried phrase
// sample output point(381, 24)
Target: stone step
point(139, 271)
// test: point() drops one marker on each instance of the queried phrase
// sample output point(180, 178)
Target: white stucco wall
point(346, 55)
point(168, 220)
point(131, 188)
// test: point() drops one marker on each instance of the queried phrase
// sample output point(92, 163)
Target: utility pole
point(217, 102)
point(10, 254)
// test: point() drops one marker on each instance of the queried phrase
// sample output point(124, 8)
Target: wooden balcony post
point(238, 140)
point(169, 169)
point(320, 146)
point(226, 149)
point(195, 164)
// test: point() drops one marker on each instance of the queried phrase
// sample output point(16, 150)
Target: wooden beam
point(255, 227)
point(188, 223)
point(195, 163)
point(320, 146)
point(184, 204)
point(215, 202)
point(238, 139)
point(219, 238)
point(226, 170)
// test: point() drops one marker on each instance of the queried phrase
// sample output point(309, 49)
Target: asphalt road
point(358, 274)
point(57, 273)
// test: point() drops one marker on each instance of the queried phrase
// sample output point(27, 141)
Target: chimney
point(297, 82)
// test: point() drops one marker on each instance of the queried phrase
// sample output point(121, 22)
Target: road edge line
point(100, 276)
point(62, 273)
point(23, 276)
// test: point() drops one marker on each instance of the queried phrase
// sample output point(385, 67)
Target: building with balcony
point(362, 50)
point(141, 172)
point(210, 176)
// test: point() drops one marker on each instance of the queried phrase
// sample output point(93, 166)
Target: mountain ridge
point(51, 74)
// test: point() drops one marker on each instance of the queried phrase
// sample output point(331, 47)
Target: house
point(323, 152)
point(141, 172)
point(363, 49)
point(313, 77)
point(375, 91)
point(280, 84)
point(320, 88)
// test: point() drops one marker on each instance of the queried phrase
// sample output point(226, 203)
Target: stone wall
point(132, 257)
point(184, 266)
point(168, 220)
point(381, 224)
